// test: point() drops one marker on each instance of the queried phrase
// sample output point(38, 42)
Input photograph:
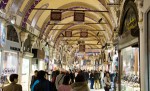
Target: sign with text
point(55, 16)
point(83, 34)
point(79, 16)
point(129, 19)
point(68, 33)
point(82, 48)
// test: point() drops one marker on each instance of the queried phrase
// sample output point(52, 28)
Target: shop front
point(10, 50)
point(26, 71)
point(39, 61)
point(2, 43)
point(26, 64)
point(129, 63)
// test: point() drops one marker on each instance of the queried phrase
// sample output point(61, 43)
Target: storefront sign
point(14, 48)
point(129, 20)
point(81, 48)
point(131, 23)
point(2, 35)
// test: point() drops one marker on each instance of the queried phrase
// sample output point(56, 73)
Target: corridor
point(105, 41)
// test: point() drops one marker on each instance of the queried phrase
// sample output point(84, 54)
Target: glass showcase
point(130, 76)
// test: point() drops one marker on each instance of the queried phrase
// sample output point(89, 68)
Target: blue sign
point(2, 35)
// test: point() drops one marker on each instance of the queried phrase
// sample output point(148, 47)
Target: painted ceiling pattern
point(53, 31)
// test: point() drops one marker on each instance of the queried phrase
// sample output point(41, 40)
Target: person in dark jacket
point(92, 79)
point(80, 84)
point(72, 75)
point(43, 84)
point(96, 80)
point(34, 78)
point(54, 75)
point(13, 86)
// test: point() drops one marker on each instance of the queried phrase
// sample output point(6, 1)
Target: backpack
point(34, 84)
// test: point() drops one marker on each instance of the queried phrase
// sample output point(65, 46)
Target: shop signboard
point(2, 35)
point(131, 23)
point(129, 20)
point(82, 48)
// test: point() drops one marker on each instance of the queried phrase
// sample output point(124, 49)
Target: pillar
point(143, 44)
point(33, 41)
point(23, 37)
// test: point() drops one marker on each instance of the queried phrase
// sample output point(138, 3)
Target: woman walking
point(107, 84)
point(65, 86)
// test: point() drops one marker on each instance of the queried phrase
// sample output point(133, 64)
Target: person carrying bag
point(107, 84)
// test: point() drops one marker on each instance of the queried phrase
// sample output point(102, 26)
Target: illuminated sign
point(2, 35)
point(129, 20)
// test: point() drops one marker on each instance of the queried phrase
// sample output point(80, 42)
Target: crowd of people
point(72, 80)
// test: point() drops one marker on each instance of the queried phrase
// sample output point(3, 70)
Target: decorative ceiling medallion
point(83, 34)
point(55, 16)
point(79, 16)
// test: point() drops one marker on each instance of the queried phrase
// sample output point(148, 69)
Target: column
point(143, 58)
point(20, 67)
point(23, 37)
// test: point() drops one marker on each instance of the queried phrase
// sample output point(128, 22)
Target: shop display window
point(130, 79)
point(9, 65)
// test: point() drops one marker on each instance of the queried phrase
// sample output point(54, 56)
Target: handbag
point(108, 86)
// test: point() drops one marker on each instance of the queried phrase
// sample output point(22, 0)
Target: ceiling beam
point(93, 48)
point(80, 29)
point(112, 4)
point(70, 10)
point(82, 44)
point(74, 23)
point(81, 37)
point(81, 40)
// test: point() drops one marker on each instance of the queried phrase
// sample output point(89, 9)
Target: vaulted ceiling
point(40, 20)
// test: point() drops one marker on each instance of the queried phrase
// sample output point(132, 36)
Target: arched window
point(12, 34)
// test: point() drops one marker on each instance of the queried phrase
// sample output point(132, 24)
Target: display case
point(130, 79)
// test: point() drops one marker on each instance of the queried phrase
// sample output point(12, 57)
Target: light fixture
point(111, 1)
point(13, 19)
